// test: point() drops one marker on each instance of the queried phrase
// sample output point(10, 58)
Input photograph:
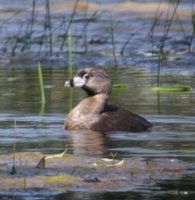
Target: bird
point(94, 112)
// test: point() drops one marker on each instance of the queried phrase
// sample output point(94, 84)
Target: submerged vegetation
point(82, 173)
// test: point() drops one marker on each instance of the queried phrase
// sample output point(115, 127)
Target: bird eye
point(86, 76)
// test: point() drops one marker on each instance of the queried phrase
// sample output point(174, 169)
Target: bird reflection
point(88, 142)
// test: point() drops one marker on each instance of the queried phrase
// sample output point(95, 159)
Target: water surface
point(99, 32)
point(40, 128)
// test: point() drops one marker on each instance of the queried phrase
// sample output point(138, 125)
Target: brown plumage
point(94, 112)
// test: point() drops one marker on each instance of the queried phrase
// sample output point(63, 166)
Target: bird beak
point(67, 84)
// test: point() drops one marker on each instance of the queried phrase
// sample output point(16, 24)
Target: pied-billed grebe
point(94, 112)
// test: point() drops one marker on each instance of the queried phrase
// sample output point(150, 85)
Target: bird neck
point(94, 104)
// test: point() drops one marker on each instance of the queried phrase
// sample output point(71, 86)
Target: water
point(39, 128)
point(104, 34)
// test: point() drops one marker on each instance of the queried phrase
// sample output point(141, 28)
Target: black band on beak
point(71, 83)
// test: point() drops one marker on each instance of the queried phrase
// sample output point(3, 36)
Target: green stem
point(41, 84)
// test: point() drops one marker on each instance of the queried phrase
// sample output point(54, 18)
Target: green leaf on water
point(120, 86)
point(172, 88)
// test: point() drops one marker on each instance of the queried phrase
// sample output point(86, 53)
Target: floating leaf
point(177, 88)
point(120, 86)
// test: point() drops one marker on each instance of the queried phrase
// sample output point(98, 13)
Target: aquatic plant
point(42, 161)
point(69, 25)
point(70, 68)
point(173, 88)
point(112, 28)
point(48, 26)
point(70, 54)
point(190, 38)
point(126, 43)
point(85, 28)
point(120, 86)
point(13, 170)
point(40, 76)
point(29, 31)
point(170, 16)
point(43, 35)
point(113, 155)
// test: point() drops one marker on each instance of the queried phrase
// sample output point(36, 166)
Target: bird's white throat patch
point(78, 81)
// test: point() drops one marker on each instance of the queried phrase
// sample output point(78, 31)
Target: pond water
point(40, 128)
point(100, 31)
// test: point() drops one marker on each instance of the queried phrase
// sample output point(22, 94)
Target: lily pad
point(120, 86)
point(176, 88)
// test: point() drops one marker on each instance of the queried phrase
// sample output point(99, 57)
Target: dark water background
point(40, 128)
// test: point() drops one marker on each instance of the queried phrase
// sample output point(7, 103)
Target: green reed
point(70, 67)
point(40, 76)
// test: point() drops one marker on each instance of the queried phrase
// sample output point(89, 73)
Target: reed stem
point(113, 42)
point(85, 35)
point(126, 43)
point(42, 92)
point(70, 67)
point(70, 54)
point(13, 170)
point(48, 25)
point(69, 24)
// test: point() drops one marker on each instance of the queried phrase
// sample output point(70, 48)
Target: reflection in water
point(183, 187)
point(100, 195)
point(88, 142)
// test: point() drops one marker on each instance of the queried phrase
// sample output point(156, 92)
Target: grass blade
point(42, 92)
